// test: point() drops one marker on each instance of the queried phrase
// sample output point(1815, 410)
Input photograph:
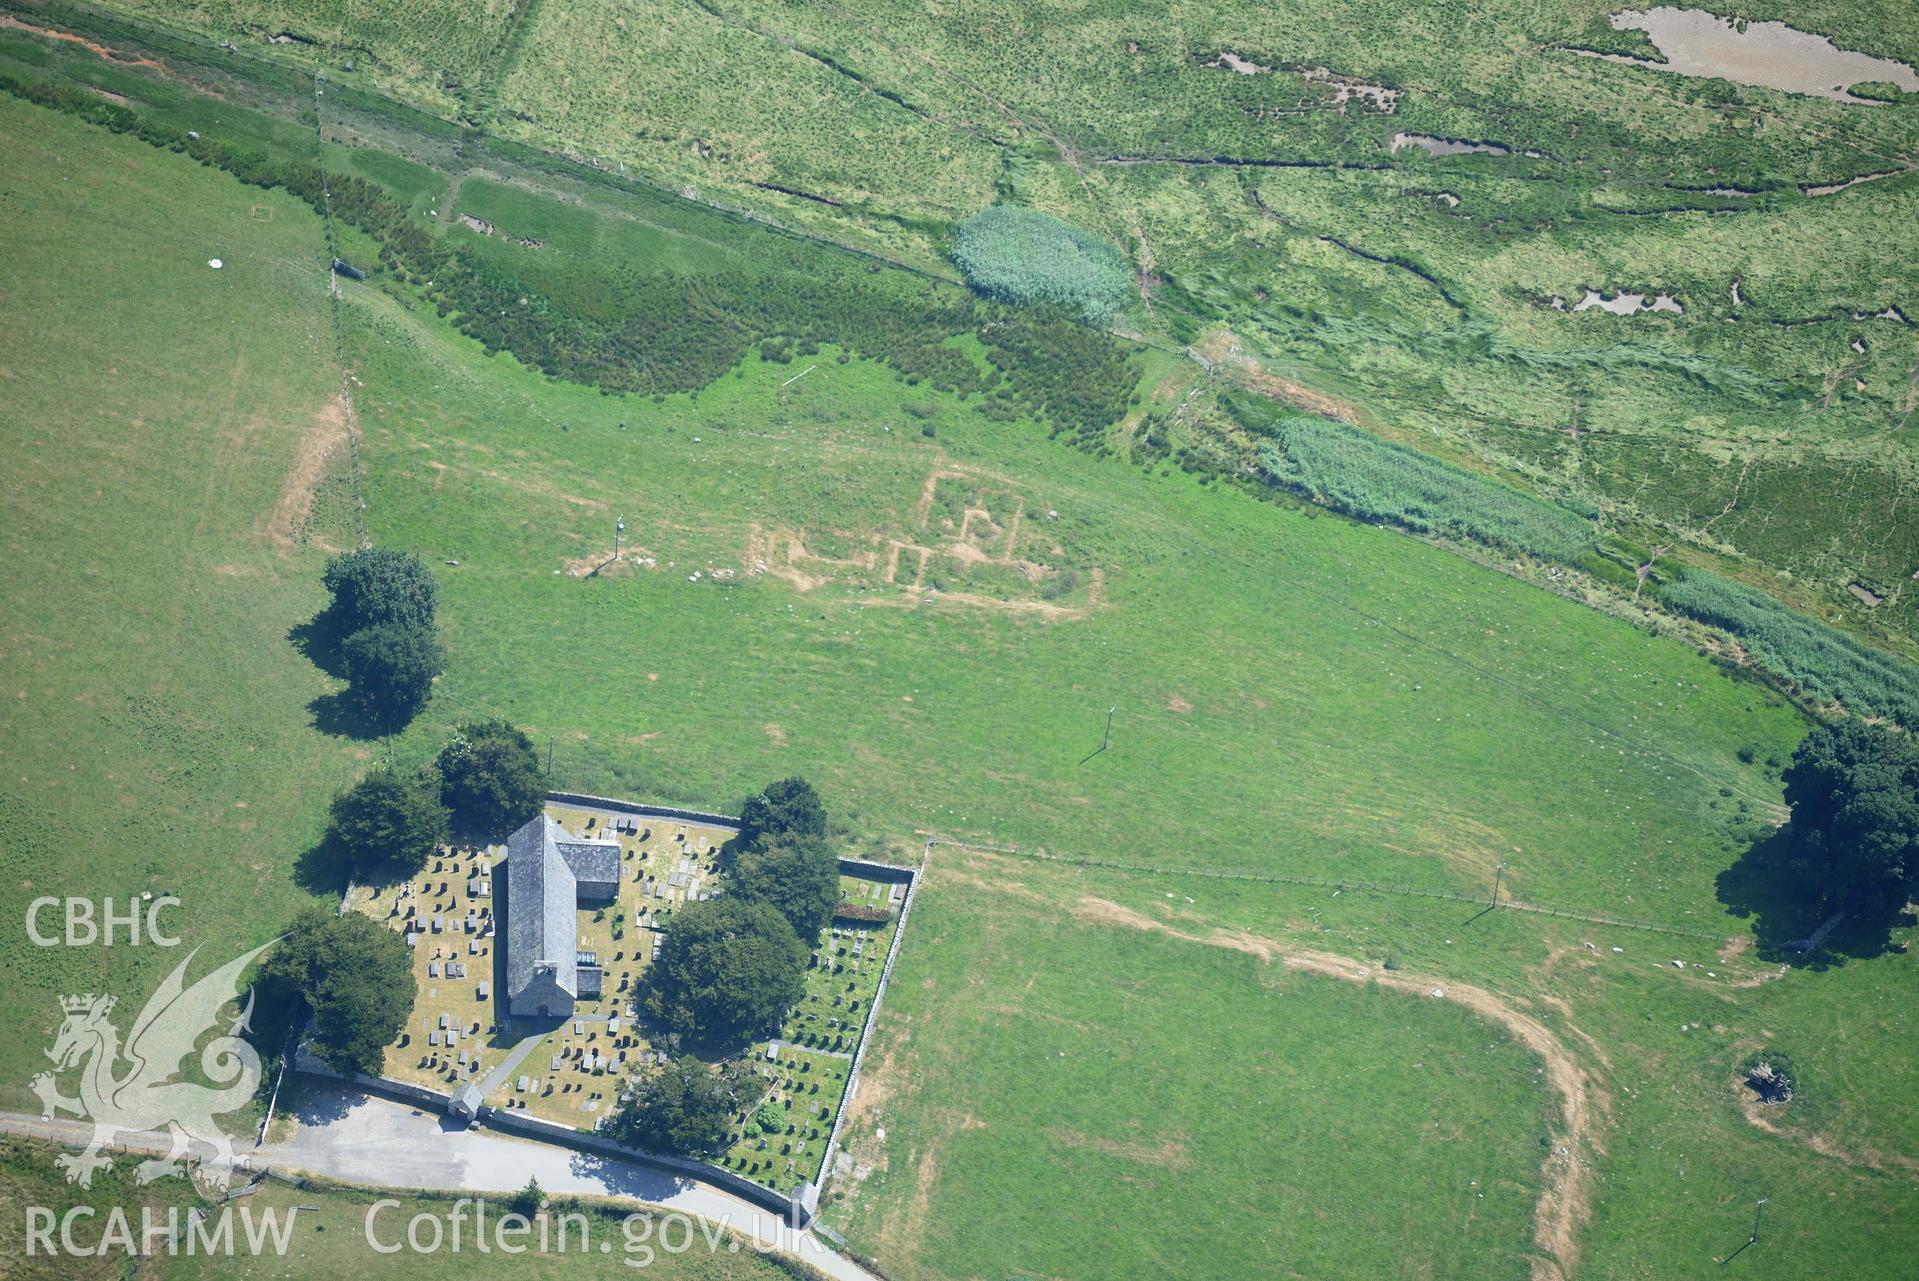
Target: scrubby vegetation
point(529, 1199)
point(670, 331)
point(1075, 378)
point(1357, 473)
point(1822, 662)
point(1027, 257)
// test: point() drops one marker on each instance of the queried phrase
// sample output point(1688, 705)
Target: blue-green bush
point(1024, 256)
point(1355, 472)
point(1823, 662)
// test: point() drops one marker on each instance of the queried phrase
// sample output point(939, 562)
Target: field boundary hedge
point(1380, 481)
point(680, 332)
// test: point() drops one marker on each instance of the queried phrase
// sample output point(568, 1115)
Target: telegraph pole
point(1758, 1208)
point(1498, 873)
point(1107, 740)
point(619, 527)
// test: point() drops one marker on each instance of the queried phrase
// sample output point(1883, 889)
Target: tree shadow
point(383, 875)
point(714, 1046)
point(319, 640)
point(325, 867)
point(464, 829)
point(316, 1102)
point(344, 714)
point(1763, 888)
point(629, 1176)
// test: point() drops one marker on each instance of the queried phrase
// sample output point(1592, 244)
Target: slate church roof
point(595, 866)
point(544, 867)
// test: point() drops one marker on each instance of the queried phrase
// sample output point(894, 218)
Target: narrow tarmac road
point(340, 1133)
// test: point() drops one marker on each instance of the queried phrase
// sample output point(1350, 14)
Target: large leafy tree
point(352, 976)
point(1854, 793)
point(789, 807)
point(683, 1107)
point(727, 971)
point(383, 606)
point(376, 585)
point(796, 874)
point(391, 667)
point(490, 778)
point(390, 818)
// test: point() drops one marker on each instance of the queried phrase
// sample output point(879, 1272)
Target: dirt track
point(1756, 1114)
point(1566, 1202)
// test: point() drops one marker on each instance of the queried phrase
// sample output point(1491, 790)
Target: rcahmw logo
point(198, 1232)
point(130, 1088)
point(84, 927)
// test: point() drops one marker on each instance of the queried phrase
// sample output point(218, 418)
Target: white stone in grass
point(215, 263)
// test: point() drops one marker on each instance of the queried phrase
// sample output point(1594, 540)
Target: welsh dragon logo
point(128, 1089)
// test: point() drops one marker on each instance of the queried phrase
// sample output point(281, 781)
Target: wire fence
point(339, 327)
point(1338, 885)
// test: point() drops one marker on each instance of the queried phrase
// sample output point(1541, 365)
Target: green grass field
point(908, 706)
point(1113, 1102)
point(1123, 960)
point(826, 573)
point(174, 438)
